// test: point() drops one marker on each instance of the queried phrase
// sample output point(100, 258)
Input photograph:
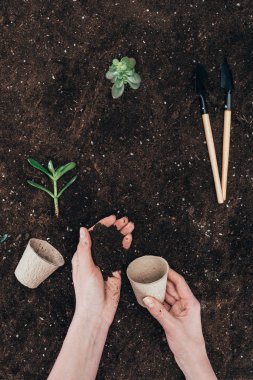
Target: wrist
point(82, 348)
point(195, 364)
point(90, 322)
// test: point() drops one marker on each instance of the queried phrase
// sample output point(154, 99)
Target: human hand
point(180, 318)
point(96, 298)
point(96, 304)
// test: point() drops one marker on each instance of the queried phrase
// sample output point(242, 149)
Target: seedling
point(54, 175)
point(3, 238)
point(123, 72)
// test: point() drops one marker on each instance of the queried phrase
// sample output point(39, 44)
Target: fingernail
point(82, 233)
point(148, 301)
point(116, 274)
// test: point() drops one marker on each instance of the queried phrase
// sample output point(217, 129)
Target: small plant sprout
point(123, 72)
point(54, 175)
point(3, 238)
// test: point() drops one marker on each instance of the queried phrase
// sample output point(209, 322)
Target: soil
point(107, 250)
point(143, 155)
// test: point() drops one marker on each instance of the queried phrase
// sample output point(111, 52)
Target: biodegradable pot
point(39, 260)
point(148, 277)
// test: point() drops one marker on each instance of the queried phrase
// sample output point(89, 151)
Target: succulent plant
point(122, 72)
point(54, 175)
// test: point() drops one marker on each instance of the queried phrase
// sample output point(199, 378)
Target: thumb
point(158, 311)
point(83, 251)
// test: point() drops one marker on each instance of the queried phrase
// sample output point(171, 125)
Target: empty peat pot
point(39, 260)
point(148, 277)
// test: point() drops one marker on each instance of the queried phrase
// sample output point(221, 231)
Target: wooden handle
point(225, 152)
point(212, 155)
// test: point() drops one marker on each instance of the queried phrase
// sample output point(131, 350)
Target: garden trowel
point(200, 77)
point(227, 85)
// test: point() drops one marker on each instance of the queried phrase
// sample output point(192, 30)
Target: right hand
point(181, 321)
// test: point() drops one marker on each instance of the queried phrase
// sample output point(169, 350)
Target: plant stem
point(56, 204)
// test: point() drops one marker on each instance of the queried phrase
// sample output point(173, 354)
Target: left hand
point(96, 298)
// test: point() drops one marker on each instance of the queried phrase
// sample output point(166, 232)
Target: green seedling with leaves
point(123, 72)
point(3, 238)
point(54, 175)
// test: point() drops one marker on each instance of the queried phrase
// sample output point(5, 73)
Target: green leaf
point(64, 169)
point(134, 86)
point(67, 186)
point(130, 62)
point(4, 238)
point(34, 184)
point(38, 166)
point(111, 74)
point(115, 61)
point(117, 92)
point(135, 78)
point(130, 73)
point(125, 60)
point(51, 167)
point(119, 83)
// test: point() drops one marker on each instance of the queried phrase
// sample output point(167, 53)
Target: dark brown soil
point(143, 155)
point(107, 250)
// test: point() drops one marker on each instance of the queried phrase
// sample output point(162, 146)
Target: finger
point(169, 299)
point(177, 309)
point(128, 229)
point(180, 284)
point(120, 223)
point(84, 248)
point(127, 241)
point(158, 311)
point(112, 289)
point(107, 222)
point(116, 274)
point(167, 306)
point(171, 289)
